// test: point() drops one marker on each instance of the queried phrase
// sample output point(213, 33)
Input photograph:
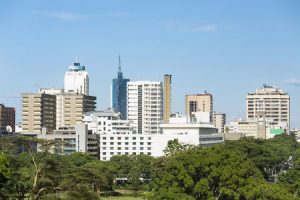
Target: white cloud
point(63, 15)
point(293, 81)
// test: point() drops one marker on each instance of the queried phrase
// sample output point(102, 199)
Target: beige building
point(199, 103)
point(71, 107)
point(271, 100)
point(38, 112)
point(220, 121)
point(167, 98)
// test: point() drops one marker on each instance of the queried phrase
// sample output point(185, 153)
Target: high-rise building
point(199, 103)
point(70, 107)
point(167, 97)
point(145, 106)
point(7, 118)
point(119, 93)
point(273, 102)
point(220, 121)
point(77, 79)
point(38, 112)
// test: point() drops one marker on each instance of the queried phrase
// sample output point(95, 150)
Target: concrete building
point(38, 112)
point(119, 93)
point(220, 121)
point(260, 128)
point(107, 122)
point(117, 136)
point(70, 107)
point(145, 106)
point(199, 103)
point(7, 118)
point(77, 79)
point(73, 139)
point(271, 100)
point(167, 98)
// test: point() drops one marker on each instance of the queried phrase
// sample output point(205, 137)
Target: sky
point(226, 47)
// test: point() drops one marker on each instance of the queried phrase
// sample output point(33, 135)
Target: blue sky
point(228, 48)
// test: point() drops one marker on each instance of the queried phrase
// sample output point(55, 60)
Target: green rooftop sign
point(277, 131)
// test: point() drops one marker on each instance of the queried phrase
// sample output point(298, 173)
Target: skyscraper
point(77, 79)
point(271, 101)
point(199, 103)
point(119, 93)
point(167, 97)
point(145, 106)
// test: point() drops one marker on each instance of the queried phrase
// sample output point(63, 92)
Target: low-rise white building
point(73, 139)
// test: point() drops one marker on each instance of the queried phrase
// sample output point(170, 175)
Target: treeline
point(244, 169)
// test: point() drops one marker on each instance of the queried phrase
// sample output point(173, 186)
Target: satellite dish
point(8, 129)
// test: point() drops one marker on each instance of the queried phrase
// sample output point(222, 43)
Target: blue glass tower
point(119, 93)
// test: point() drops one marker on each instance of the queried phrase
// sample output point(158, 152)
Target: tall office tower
point(7, 118)
point(119, 93)
point(271, 100)
point(167, 97)
point(77, 79)
point(199, 103)
point(38, 112)
point(145, 106)
point(220, 121)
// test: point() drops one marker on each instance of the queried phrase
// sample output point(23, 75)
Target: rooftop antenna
point(119, 68)
point(76, 59)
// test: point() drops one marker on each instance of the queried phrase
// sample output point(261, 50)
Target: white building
point(220, 121)
point(271, 100)
point(74, 139)
point(77, 79)
point(118, 137)
point(145, 106)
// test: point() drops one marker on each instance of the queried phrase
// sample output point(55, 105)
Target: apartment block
point(220, 121)
point(273, 102)
point(38, 112)
point(145, 106)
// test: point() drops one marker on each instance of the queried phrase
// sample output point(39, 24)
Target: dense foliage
point(245, 169)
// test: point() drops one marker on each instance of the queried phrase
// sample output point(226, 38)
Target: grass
point(122, 198)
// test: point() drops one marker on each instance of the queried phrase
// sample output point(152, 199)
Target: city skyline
point(217, 51)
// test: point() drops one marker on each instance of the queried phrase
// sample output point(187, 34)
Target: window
point(104, 158)
point(126, 143)
point(99, 123)
point(119, 148)
point(104, 143)
point(126, 148)
point(111, 143)
point(141, 143)
point(104, 153)
point(104, 148)
point(119, 143)
point(126, 138)
point(111, 138)
point(149, 143)
point(111, 148)
point(111, 153)
point(104, 138)
point(142, 138)
point(141, 148)
point(149, 154)
point(134, 143)
point(133, 148)
point(148, 148)
point(134, 138)
point(119, 138)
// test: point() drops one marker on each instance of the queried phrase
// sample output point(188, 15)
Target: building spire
point(119, 63)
